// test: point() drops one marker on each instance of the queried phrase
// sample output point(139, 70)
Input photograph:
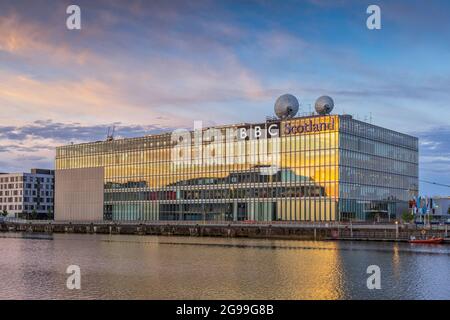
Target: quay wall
point(306, 231)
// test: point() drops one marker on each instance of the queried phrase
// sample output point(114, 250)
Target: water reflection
point(147, 267)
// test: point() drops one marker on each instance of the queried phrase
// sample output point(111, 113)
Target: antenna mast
point(109, 136)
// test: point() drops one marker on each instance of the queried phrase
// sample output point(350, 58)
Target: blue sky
point(151, 66)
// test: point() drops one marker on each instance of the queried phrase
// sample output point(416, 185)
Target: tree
point(4, 213)
point(407, 216)
point(34, 214)
point(49, 214)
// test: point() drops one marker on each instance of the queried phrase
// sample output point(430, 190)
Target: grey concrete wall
point(79, 194)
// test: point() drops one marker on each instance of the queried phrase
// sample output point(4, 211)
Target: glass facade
point(318, 168)
point(378, 170)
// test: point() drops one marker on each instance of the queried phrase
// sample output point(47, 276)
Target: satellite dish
point(286, 106)
point(324, 105)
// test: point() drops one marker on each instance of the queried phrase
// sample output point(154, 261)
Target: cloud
point(31, 41)
point(434, 160)
point(65, 132)
point(34, 145)
point(54, 74)
point(435, 151)
point(159, 60)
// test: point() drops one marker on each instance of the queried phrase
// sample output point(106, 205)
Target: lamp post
point(396, 229)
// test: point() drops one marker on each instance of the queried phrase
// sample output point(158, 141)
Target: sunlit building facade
point(314, 168)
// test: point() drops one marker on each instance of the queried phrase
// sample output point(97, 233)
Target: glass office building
point(313, 168)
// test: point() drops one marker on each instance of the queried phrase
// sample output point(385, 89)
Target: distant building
point(441, 206)
point(27, 192)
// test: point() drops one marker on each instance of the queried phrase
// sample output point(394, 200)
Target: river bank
point(294, 231)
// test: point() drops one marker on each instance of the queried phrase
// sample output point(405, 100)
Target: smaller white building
point(441, 206)
point(27, 192)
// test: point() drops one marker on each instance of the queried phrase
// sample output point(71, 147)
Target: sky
point(153, 66)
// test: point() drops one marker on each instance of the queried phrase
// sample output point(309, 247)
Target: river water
point(151, 267)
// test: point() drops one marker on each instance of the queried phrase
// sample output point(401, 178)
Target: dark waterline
point(150, 267)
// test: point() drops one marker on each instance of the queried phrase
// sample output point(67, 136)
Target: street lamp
point(396, 229)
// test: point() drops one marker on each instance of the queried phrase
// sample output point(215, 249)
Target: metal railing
point(294, 224)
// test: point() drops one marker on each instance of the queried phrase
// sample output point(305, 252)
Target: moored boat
point(427, 241)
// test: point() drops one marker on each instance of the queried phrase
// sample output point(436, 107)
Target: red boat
point(428, 240)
